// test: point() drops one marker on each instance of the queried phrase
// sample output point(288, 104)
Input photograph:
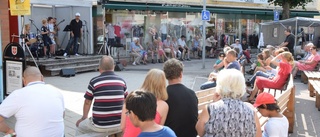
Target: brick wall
point(4, 18)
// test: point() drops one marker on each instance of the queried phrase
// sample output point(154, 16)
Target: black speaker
point(118, 67)
point(67, 72)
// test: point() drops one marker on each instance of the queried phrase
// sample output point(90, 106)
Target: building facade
point(230, 19)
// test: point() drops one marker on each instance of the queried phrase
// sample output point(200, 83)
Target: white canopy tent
point(63, 10)
point(273, 32)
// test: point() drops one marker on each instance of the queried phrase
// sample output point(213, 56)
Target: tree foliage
point(293, 3)
point(289, 4)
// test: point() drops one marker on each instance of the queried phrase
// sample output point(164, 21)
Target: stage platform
point(53, 66)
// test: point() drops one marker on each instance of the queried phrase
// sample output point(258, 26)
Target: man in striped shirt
point(107, 90)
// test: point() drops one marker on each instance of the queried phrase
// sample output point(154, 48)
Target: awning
point(193, 8)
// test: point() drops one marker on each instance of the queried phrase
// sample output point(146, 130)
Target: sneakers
point(77, 54)
point(65, 54)
point(134, 63)
point(188, 59)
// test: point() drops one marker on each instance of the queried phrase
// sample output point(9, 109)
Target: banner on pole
point(20, 7)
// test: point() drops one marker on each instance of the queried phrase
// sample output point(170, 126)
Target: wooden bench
point(305, 75)
point(286, 102)
point(314, 88)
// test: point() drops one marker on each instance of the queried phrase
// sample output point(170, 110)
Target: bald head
point(31, 74)
point(106, 64)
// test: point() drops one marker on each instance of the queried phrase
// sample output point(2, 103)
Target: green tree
point(289, 4)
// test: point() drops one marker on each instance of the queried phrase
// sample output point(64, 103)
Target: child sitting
point(220, 59)
point(257, 64)
point(277, 125)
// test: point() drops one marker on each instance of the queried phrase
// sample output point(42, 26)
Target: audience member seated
point(277, 82)
point(135, 51)
point(237, 45)
point(143, 53)
point(277, 124)
point(107, 92)
point(175, 47)
point(265, 62)
point(161, 52)
point(183, 102)
point(152, 50)
point(196, 47)
point(216, 67)
point(271, 72)
point(229, 116)
point(309, 64)
point(141, 108)
point(155, 83)
point(209, 46)
point(38, 108)
point(230, 62)
point(307, 51)
point(168, 46)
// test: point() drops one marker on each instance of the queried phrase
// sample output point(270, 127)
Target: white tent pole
point(295, 37)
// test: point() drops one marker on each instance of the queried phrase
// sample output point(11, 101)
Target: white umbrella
point(198, 22)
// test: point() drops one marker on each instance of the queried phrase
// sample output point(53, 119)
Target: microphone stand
point(87, 32)
point(23, 44)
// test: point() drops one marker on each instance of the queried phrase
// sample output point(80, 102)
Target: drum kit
point(34, 42)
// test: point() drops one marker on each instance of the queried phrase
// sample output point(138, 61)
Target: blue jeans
point(74, 41)
point(208, 84)
point(163, 37)
point(261, 74)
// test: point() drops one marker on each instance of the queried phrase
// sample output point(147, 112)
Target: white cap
point(78, 14)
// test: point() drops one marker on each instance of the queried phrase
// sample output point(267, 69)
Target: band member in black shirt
point(76, 30)
point(45, 37)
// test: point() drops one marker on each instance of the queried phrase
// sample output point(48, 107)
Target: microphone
point(31, 20)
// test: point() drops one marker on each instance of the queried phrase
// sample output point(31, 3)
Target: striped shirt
point(107, 90)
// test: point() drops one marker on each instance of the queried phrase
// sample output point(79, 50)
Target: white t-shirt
point(237, 46)
point(276, 127)
point(181, 42)
point(163, 29)
point(38, 109)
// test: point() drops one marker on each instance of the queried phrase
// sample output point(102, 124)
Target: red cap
point(264, 98)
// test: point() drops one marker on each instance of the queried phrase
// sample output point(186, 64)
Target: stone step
point(78, 69)
point(69, 64)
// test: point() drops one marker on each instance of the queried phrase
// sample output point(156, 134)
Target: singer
point(76, 32)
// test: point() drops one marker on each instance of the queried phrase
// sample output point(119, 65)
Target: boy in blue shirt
point(141, 108)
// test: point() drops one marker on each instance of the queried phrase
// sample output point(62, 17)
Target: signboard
point(13, 66)
point(14, 75)
point(205, 15)
point(20, 7)
point(275, 15)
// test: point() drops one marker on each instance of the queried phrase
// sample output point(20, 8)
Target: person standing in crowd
point(76, 30)
point(51, 36)
point(155, 83)
point(107, 91)
point(135, 51)
point(37, 107)
point(142, 109)
point(183, 102)
point(229, 116)
point(289, 41)
point(277, 124)
point(45, 38)
point(183, 48)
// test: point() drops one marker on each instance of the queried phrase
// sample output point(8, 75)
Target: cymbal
point(15, 36)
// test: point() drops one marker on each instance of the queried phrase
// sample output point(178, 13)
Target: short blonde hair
point(231, 84)
point(155, 83)
point(44, 21)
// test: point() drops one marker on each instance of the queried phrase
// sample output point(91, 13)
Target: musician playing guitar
point(45, 37)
